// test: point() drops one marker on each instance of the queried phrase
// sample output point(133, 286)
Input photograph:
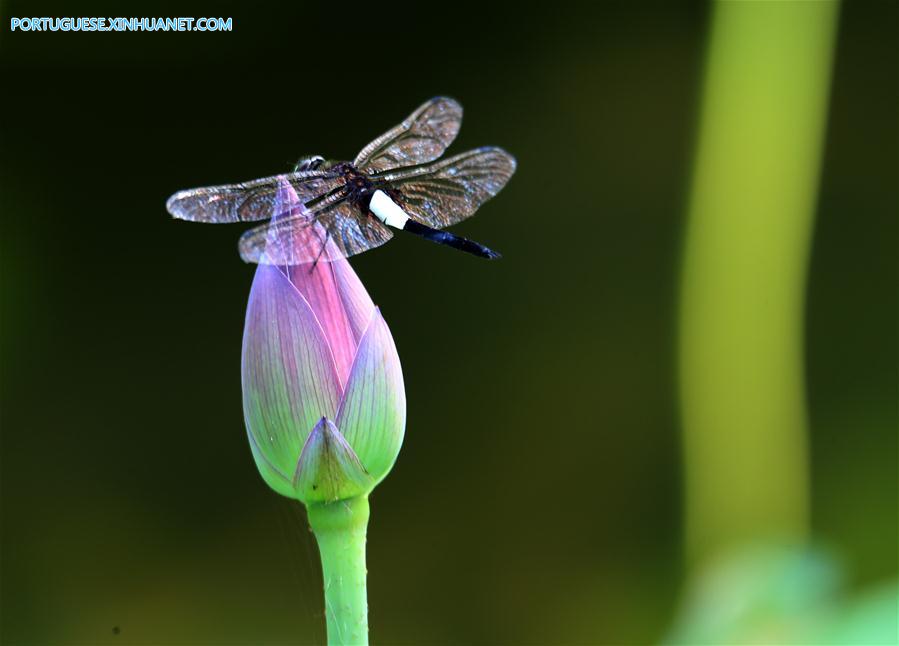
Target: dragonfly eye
point(309, 163)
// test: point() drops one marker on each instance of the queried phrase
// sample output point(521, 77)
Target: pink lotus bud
point(323, 395)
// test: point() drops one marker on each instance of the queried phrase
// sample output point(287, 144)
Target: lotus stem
point(340, 529)
point(747, 244)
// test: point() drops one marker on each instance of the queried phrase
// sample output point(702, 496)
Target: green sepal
point(328, 469)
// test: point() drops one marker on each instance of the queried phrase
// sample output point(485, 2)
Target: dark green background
point(537, 496)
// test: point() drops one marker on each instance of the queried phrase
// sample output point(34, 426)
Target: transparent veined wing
point(421, 138)
point(354, 232)
point(452, 189)
point(248, 201)
point(329, 231)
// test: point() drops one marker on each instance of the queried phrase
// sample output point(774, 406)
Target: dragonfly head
point(309, 163)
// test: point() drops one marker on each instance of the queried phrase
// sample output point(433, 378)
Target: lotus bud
point(323, 395)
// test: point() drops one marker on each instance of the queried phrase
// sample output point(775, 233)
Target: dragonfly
point(397, 182)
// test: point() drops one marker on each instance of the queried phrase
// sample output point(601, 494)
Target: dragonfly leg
point(321, 251)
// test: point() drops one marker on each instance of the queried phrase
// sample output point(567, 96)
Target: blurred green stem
point(340, 528)
point(746, 251)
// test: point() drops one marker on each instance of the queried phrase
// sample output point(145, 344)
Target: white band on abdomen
point(387, 211)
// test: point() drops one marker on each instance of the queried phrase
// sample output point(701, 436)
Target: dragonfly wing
point(354, 232)
point(247, 201)
point(450, 190)
point(337, 230)
point(421, 138)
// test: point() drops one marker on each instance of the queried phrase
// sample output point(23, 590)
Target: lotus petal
point(372, 414)
point(333, 291)
point(288, 373)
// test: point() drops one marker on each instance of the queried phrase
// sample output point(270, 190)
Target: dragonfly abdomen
point(387, 211)
point(450, 240)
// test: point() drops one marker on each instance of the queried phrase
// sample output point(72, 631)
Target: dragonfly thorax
point(359, 187)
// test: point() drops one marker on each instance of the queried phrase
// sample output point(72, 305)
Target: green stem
point(340, 528)
point(742, 294)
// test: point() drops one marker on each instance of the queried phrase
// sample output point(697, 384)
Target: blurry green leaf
point(781, 594)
